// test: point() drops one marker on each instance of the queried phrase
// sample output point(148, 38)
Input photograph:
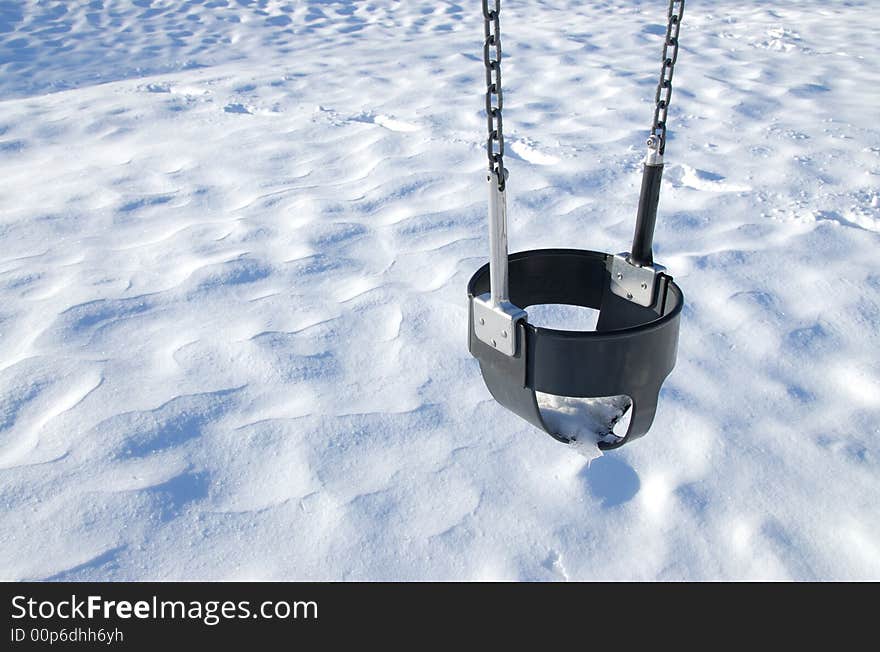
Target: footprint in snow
point(238, 108)
point(392, 124)
point(157, 87)
point(527, 152)
point(688, 177)
point(388, 122)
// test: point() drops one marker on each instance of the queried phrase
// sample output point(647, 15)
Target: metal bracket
point(495, 324)
point(495, 316)
point(634, 283)
point(653, 156)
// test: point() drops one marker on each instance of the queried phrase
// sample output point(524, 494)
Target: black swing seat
point(630, 353)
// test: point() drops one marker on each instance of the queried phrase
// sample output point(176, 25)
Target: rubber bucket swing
point(634, 346)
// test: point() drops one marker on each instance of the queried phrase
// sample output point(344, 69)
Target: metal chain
point(494, 98)
point(664, 88)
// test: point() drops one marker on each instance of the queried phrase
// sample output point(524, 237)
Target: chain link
point(494, 97)
point(664, 88)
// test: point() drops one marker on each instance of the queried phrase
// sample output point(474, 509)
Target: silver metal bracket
point(632, 282)
point(653, 156)
point(495, 324)
point(495, 317)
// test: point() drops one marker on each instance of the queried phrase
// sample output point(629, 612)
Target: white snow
point(235, 237)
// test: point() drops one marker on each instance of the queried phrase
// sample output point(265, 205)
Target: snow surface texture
point(234, 242)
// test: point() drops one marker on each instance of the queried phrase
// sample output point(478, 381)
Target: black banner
point(149, 615)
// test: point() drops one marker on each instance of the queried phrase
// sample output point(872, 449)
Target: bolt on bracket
point(495, 324)
point(633, 282)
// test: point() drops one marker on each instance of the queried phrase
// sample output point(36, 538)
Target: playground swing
point(634, 345)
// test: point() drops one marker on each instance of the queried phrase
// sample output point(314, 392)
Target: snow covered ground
point(234, 242)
